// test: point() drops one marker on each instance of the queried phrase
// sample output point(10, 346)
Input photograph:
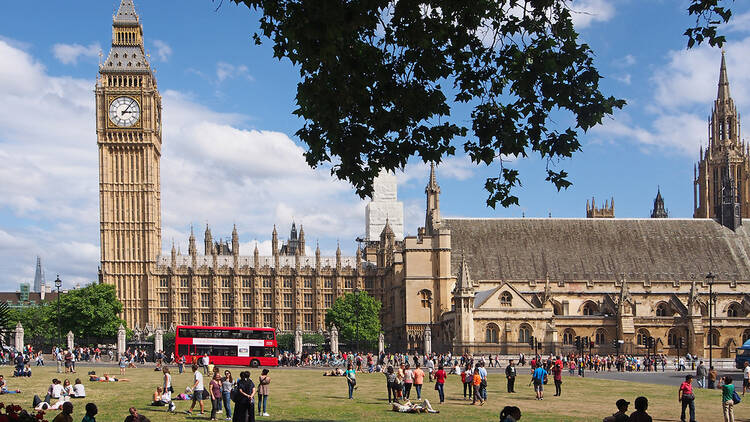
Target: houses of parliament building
point(460, 284)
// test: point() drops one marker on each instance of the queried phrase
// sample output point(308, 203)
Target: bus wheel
point(254, 363)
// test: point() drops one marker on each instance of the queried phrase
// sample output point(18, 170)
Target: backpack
point(736, 398)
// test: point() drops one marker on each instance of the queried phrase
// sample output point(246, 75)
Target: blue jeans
point(441, 391)
point(351, 389)
point(225, 395)
point(418, 387)
point(262, 400)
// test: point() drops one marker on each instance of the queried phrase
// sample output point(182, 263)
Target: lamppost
point(58, 284)
point(356, 298)
point(710, 277)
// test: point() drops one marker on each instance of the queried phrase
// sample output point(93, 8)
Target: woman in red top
point(557, 374)
point(440, 376)
point(685, 395)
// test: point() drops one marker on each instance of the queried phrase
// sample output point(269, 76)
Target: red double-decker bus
point(241, 346)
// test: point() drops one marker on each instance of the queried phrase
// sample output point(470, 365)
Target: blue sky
point(230, 155)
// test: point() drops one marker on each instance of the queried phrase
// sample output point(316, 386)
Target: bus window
point(267, 335)
point(269, 352)
point(182, 349)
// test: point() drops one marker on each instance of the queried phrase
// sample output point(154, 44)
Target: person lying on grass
point(409, 407)
point(106, 378)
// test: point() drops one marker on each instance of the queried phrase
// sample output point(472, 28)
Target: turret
point(208, 242)
point(432, 191)
point(235, 241)
point(274, 241)
point(301, 245)
point(192, 250)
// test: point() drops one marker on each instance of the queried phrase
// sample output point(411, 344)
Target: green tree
point(709, 15)
point(38, 321)
point(91, 311)
point(285, 342)
point(351, 311)
point(385, 80)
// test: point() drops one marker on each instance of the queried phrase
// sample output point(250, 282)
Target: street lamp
point(356, 298)
point(58, 284)
point(710, 277)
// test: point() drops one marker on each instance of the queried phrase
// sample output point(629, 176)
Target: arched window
point(426, 298)
point(734, 310)
point(590, 308)
point(673, 337)
point(492, 334)
point(713, 338)
point(643, 334)
point(601, 337)
point(662, 310)
point(524, 333)
point(506, 299)
point(568, 336)
point(745, 336)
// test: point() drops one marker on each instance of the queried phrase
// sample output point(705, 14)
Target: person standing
point(467, 378)
point(483, 384)
point(557, 376)
point(537, 378)
point(167, 388)
point(123, 364)
point(745, 378)
point(227, 383)
point(263, 382)
point(214, 391)
point(390, 380)
point(701, 372)
point(440, 377)
point(181, 364)
point(476, 382)
point(510, 375)
point(243, 404)
point(408, 381)
point(197, 390)
point(351, 380)
point(687, 398)
point(418, 380)
point(727, 398)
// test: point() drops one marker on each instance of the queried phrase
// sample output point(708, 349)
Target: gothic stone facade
point(479, 285)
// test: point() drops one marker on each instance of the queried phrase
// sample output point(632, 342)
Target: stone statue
point(381, 344)
point(334, 340)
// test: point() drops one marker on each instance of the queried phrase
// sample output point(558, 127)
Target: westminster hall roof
point(599, 249)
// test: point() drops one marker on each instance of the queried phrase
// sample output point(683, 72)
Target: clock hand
point(130, 105)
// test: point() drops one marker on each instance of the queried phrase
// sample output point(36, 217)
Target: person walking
point(243, 403)
point(712, 376)
point(687, 398)
point(390, 380)
point(745, 378)
point(418, 380)
point(123, 364)
point(214, 391)
point(483, 384)
point(537, 378)
point(167, 388)
point(440, 377)
point(701, 373)
point(263, 382)
point(408, 381)
point(351, 379)
point(197, 390)
point(727, 398)
point(510, 375)
point(557, 376)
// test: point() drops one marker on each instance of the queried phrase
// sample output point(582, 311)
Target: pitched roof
point(660, 249)
point(126, 13)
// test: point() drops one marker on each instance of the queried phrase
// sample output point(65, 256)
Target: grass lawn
point(305, 395)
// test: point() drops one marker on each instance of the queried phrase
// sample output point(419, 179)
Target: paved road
point(665, 378)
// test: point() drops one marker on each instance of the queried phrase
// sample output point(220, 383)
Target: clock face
point(124, 111)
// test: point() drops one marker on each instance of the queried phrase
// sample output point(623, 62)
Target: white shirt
point(746, 373)
point(197, 376)
point(79, 390)
point(57, 390)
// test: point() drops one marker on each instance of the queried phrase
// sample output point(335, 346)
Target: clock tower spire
point(128, 129)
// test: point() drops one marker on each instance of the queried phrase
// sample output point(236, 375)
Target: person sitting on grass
point(640, 415)
point(67, 413)
point(135, 417)
point(91, 412)
point(510, 414)
point(4, 387)
point(54, 391)
point(79, 391)
point(621, 415)
point(158, 398)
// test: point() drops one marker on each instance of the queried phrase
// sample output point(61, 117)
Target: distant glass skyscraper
point(39, 282)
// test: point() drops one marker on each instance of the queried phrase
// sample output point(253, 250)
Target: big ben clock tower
point(128, 128)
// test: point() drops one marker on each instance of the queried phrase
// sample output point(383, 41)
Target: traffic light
point(531, 341)
point(649, 342)
point(615, 344)
point(585, 342)
point(682, 342)
point(578, 342)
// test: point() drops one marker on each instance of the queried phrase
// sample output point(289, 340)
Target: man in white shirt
point(197, 390)
point(205, 361)
point(745, 378)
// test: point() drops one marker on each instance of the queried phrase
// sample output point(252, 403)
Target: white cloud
point(226, 71)
point(70, 53)
point(626, 78)
point(212, 170)
point(625, 61)
point(680, 132)
point(586, 12)
point(163, 50)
